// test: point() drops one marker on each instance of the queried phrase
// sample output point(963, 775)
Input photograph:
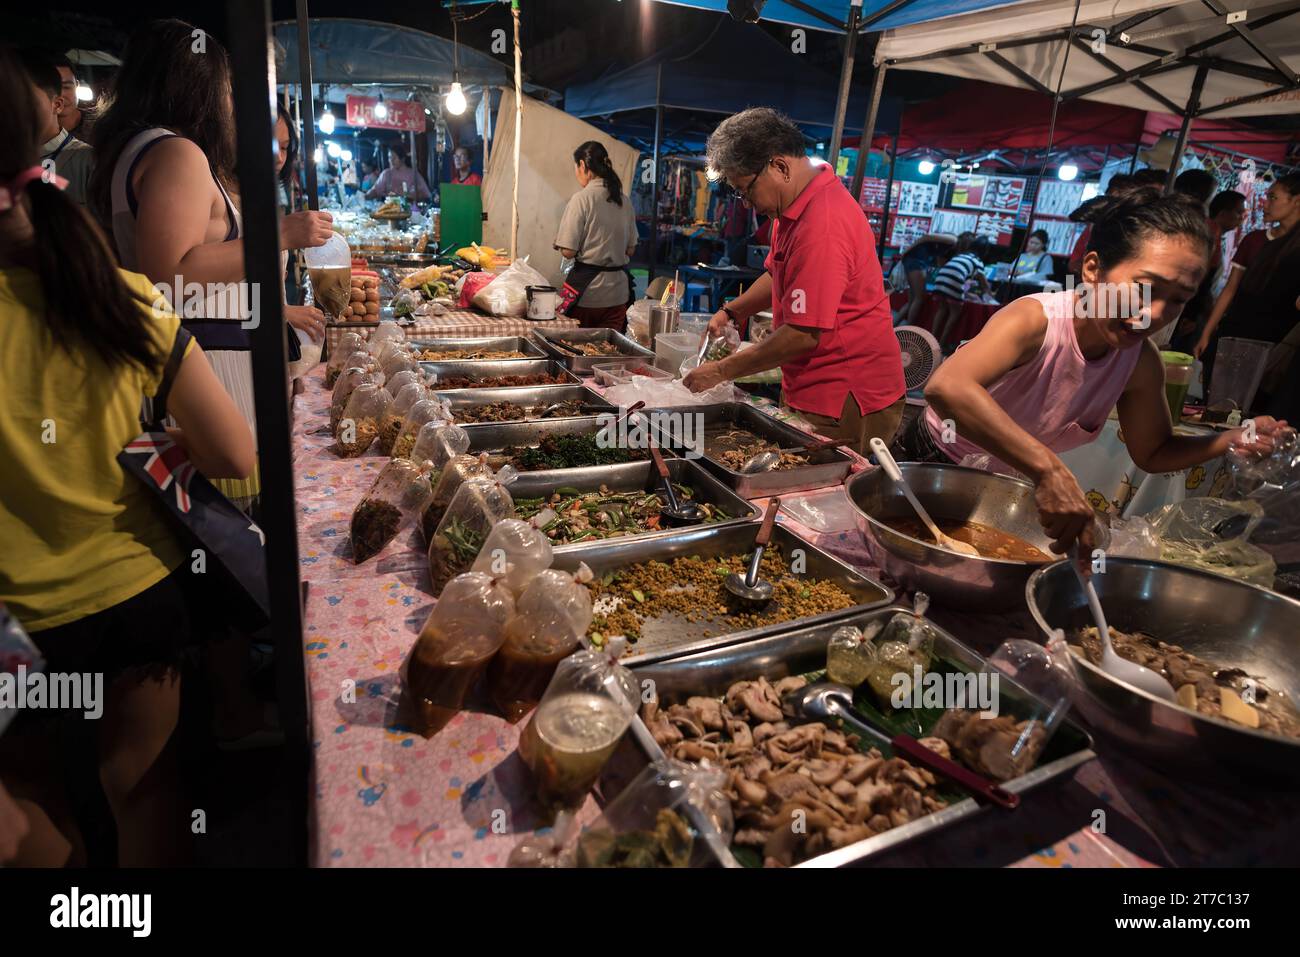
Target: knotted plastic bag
point(672, 814)
point(348, 343)
point(551, 616)
point(359, 425)
point(387, 329)
point(478, 505)
point(905, 644)
point(554, 848)
point(399, 493)
point(587, 707)
point(459, 638)
point(343, 389)
point(390, 423)
point(429, 409)
point(851, 654)
point(399, 360)
point(438, 443)
point(454, 473)
point(517, 550)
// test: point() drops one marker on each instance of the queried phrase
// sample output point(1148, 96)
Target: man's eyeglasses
point(743, 195)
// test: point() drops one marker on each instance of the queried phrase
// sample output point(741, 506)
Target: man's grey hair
point(746, 141)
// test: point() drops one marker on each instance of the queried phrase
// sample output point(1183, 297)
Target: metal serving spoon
point(1118, 667)
point(751, 588)
point(894, 472)
point(827, 700)
point(674, 512)
point(766, 461)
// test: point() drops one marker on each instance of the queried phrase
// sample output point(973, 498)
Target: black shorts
point(915, 444)
point(148, 632)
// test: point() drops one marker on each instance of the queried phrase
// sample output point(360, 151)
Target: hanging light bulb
point(84, 93)
point(346, 156)
point(381, 111)
point(1068, 172)
point(456, 99)
point(925, 167)
point(326, 121)
point(333, 149)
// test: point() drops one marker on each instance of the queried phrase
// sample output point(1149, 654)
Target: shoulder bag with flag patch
point(230, 544)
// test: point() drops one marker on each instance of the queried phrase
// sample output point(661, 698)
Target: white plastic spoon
point(1116, 666)
point(894, 472)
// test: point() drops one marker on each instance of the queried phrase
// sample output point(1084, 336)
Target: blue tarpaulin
point(837, 11)
point(365, 51)
point(725, 68)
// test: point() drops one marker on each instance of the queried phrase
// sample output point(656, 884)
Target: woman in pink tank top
point(1043, 375)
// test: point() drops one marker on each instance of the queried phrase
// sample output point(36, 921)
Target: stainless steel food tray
point(528, 396)
point(491, 368)
point(829, 466)
point(627, 348)
point(495, 436)
point(524, 344)
point(803, 649)
point(672, 635)
point(705, 487)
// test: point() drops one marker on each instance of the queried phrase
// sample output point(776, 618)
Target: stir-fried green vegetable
point(587, 516)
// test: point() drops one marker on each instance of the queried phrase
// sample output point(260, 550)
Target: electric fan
point(921, 355)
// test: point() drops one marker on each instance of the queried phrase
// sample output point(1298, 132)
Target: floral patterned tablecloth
point(383, 796)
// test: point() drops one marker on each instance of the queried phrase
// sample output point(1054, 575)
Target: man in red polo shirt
point(832, 333)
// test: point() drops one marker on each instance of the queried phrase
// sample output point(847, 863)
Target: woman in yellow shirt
point(89, 564)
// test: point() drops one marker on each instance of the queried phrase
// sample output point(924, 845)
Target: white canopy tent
point(1220, 58)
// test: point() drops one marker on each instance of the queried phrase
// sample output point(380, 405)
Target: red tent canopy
point(987, 116)
point(977, 115)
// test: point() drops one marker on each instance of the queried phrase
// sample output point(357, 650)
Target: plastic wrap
point(1273, 483)
point(459, 638)
point(1008, 743)
point(394, 414)
point(399, 493)
point(476, 507)
point(1132, 538)
point(580, 720)
point(432, 408)
point(359, 426)
point(670, 815)
point(660, 393)
point(551, 615)
point(1213, 534)
point(507, 294)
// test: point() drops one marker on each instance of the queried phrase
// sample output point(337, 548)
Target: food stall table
point(970, 320)
point(382, 796)
point(1114, 484)
point(456, 324)
point(720, 279)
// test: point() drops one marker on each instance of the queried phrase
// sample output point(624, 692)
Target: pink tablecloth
point(385, 797)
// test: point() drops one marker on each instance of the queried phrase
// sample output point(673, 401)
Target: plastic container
point(1178, 376)
point(694, 322)
point(1238, 369)
point(674, 348)
point(620, 372)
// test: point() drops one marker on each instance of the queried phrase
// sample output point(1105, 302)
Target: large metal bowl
point(948, 493)
point(1227, 622)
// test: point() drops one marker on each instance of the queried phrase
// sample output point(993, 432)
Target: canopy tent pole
point(252, 71)
point(1193, 104)
point(889, 189)
point(869, 129)
point(487, 125)
point(308, 127)
point(654, 176)
point(519, 124)
point(846, 80)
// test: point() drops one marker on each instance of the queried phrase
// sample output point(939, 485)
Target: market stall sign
point(402, 114)
point(1001, 194)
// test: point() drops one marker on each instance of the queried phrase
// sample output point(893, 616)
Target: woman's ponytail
point(596, 158)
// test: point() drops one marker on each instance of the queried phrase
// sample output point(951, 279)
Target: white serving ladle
point(891, 468)
point(1118, 667)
